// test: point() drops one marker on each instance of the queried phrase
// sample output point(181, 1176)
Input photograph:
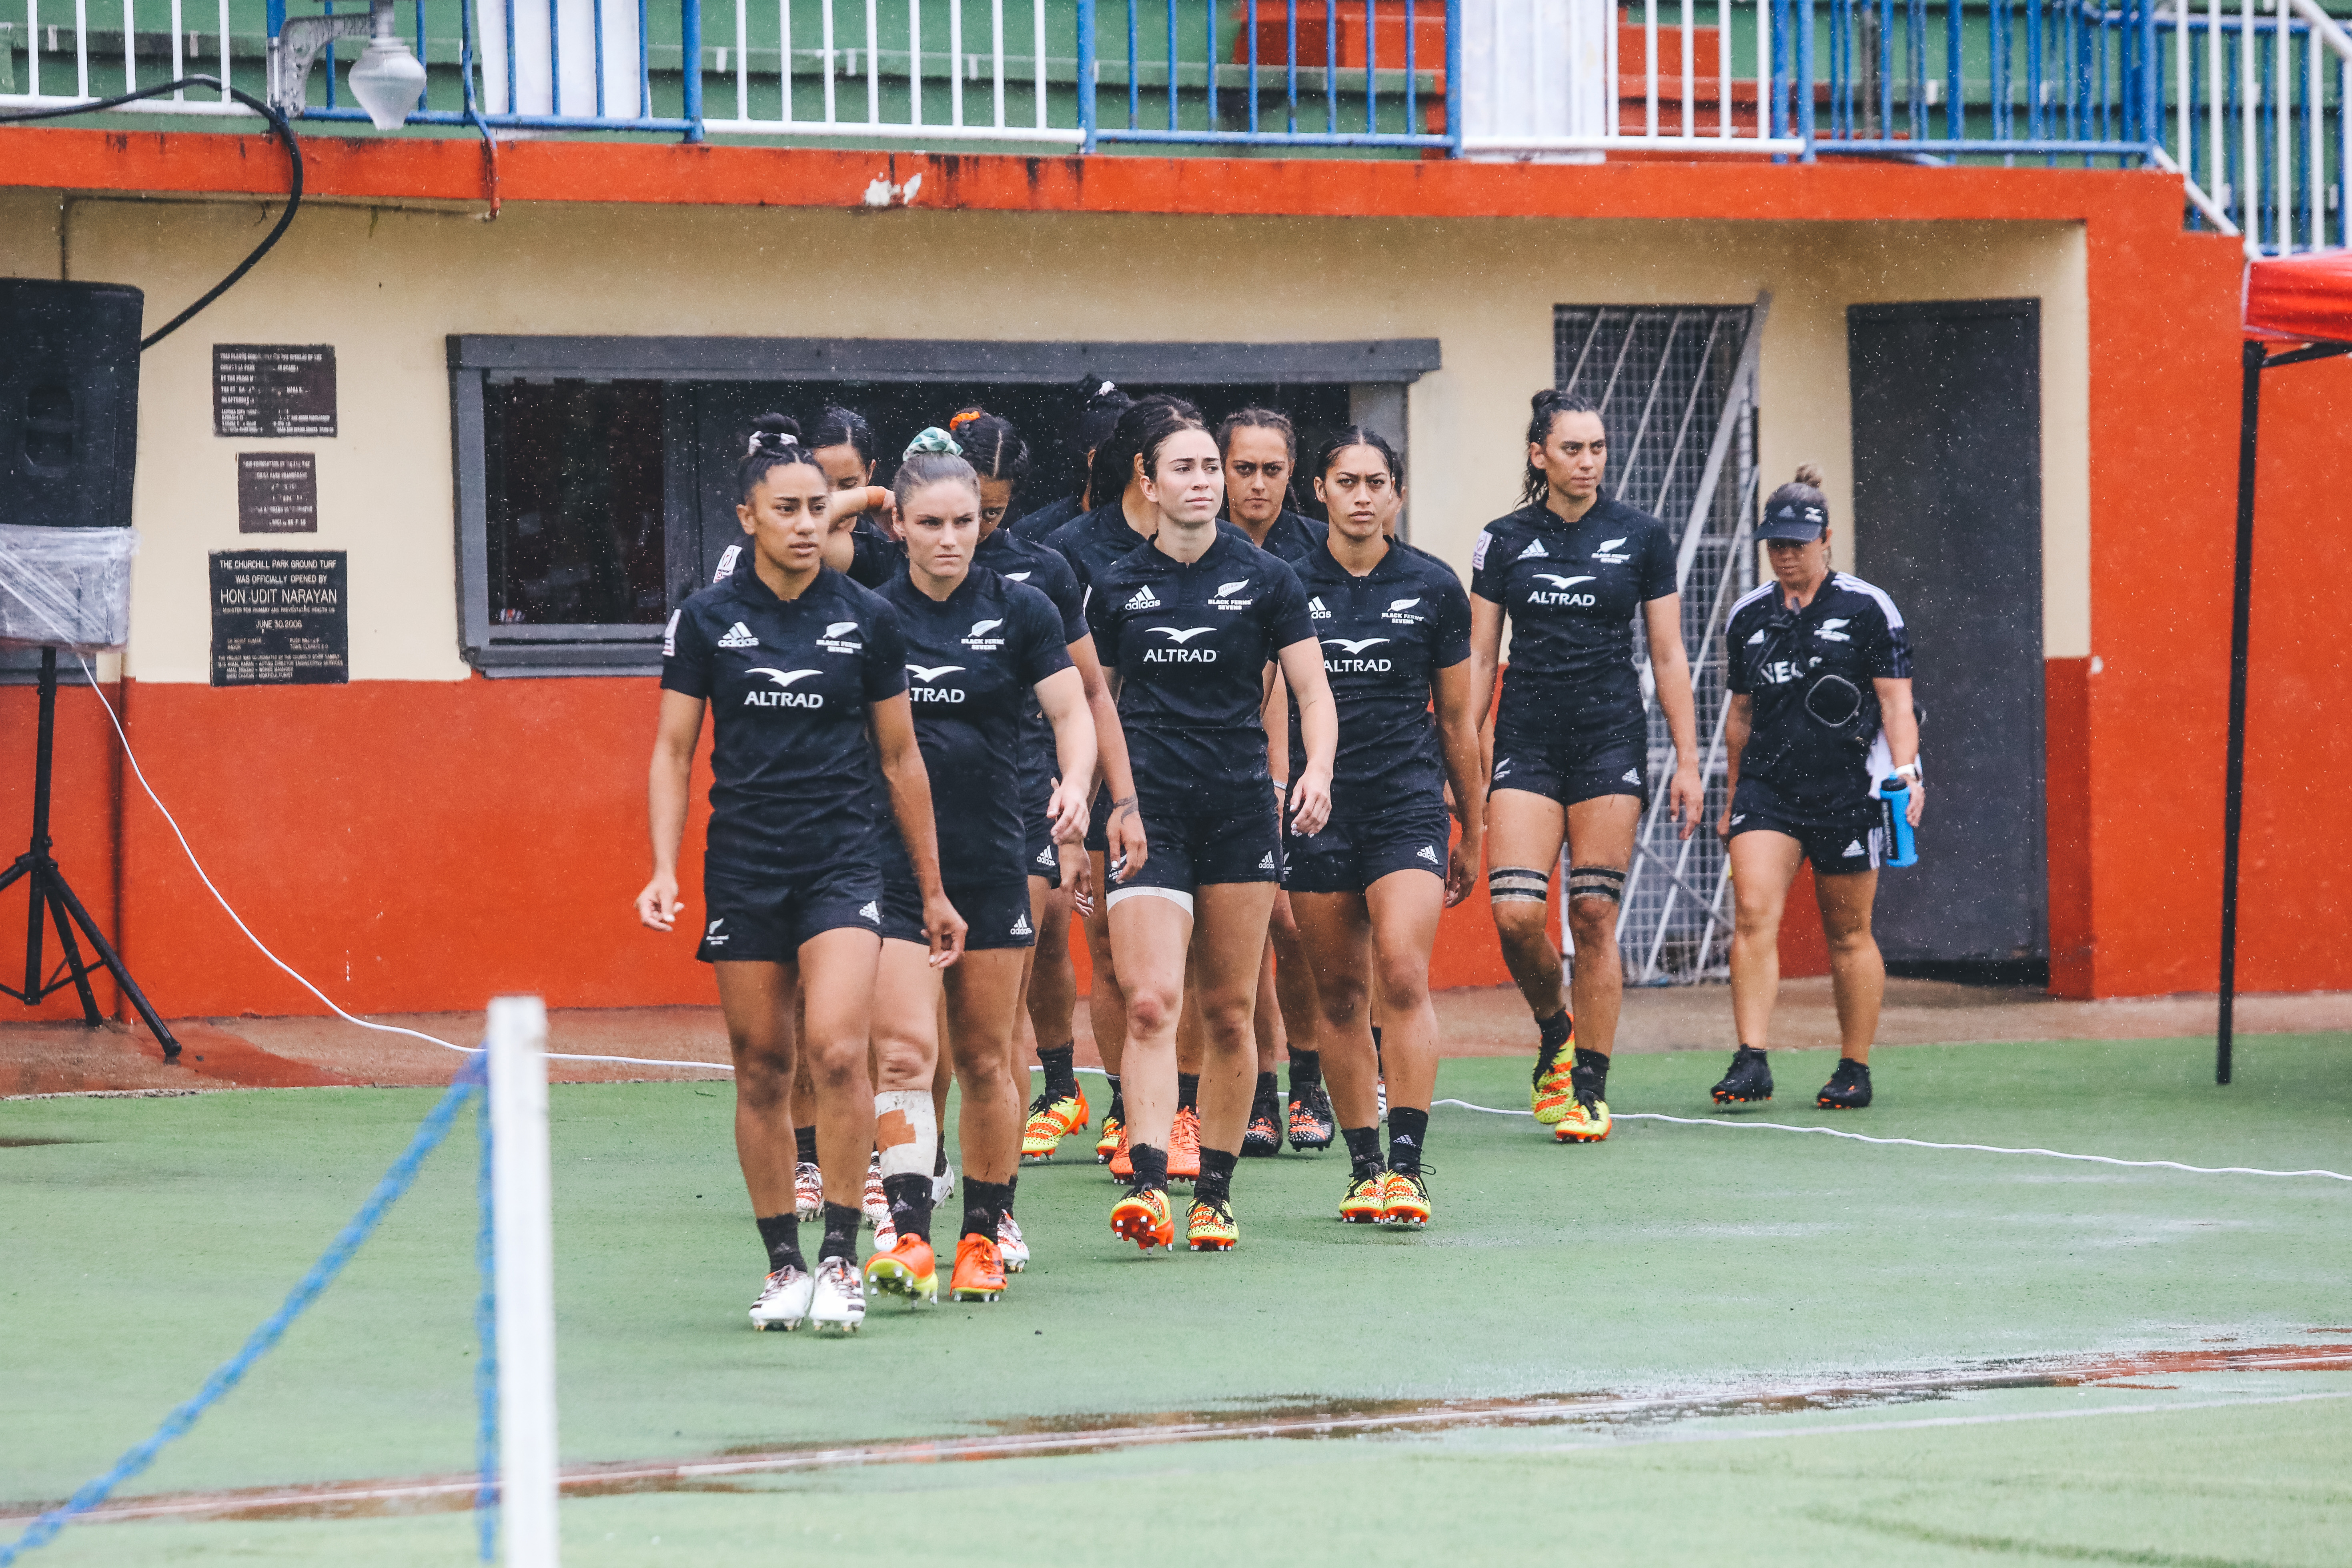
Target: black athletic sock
point(1214, 1184)
point(1306, 1071)
point(940, 1160)
point(1364, 1149)
point(781, 1234)
point(1117, 1112)
point(1187, 1092)
point(1011, 1190)
point(841, 1223)
point(1150, 1167)
point(1591, 1072)
point(1264, 1093)
point(805, 1141)
point(1061, 1070)
point(1553, 1033)
point(1408, 1135)
point(910, 1203)
point(984, 1204)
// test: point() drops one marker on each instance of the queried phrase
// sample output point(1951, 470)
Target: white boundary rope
point(1922, 1143)
point(140, 774)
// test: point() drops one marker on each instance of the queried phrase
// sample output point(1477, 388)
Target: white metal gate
point(1676, 390)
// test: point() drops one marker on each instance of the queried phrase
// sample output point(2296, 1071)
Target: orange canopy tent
point(2297, 309)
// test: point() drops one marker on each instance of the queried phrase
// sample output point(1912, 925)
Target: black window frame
point(1378, 370)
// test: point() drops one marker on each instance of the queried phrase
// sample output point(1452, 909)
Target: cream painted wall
point(387, 286)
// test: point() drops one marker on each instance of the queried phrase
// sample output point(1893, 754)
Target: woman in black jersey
point(977, 646)
point(1191, 623)
point(1570, 764)
point(805, 673)
point(1260, 448)
point(1821, 714)
point(1394, 628)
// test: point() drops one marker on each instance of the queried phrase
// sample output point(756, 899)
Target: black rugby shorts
point(765, 919)
point(1840, 840)
point(1349, 856)
point(1570, 770)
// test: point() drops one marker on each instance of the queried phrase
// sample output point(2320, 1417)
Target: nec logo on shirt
point(1608, 552)
point(831, 641)
point(979, 638)
point(1222, 599)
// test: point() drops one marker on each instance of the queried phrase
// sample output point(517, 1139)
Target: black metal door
point(1947, 498)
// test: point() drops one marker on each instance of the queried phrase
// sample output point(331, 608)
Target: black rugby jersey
point(1291, 536)
point(1020, 559)
point(1094, 543)
point(1191, 644)
point(877, 557)
point(971, 659)
point(1384, 637)
point(1571, 591)
point(1777, 656)
point(1038, 526)
point(789, 683)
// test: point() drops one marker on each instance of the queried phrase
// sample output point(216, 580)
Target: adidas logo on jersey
point(870, 912)
point(1267, 862)
point(1145, 599)
point(1427, 852)
point(1855, 847)
point(1632, 775)
point(1314, 610)
point(738, 635)
point(1534, 551)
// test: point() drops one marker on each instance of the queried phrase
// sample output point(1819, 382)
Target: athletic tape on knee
point(1596, 882)
point(906, 1130)
point(1517, 884)
point(1173, 894)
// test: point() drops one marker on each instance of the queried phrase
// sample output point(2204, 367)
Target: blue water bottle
point(1902, 845)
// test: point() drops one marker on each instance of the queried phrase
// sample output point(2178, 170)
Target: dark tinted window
point(575, 504)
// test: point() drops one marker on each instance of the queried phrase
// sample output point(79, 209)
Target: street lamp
point(387, 79)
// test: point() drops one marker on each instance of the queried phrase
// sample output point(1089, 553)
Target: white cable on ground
point(1922, 1143)
point(140, 774)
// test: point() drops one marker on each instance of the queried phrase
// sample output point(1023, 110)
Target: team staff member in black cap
point(1367, 891)
point(1820, 712)
point(977, 646)
point(1260, 448)
point(1191, 623)
point(806, 674)
point(1571, 569)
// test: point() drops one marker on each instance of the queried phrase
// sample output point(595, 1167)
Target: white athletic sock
point(907, 1131)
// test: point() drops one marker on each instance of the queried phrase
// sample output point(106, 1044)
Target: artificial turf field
point(1764, 1348)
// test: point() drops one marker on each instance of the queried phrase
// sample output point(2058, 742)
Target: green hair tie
point(934, 440)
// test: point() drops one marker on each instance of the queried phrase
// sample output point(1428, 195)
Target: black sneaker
point(1265, 1135)
point(1312, 1124)
point(1748, 1080)
point(1848, 1087)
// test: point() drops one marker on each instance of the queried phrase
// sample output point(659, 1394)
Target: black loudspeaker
point(68, 402)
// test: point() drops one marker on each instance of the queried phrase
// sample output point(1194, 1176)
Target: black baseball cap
point(1793, 521)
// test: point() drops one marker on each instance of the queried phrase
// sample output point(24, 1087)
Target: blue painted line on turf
point(1921, 1143)
point(396, 1181)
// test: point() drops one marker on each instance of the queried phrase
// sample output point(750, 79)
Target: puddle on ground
point(1597, 1410)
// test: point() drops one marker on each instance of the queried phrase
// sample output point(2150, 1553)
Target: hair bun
point(934, 440)
point(1807, 474)
point(773, 433)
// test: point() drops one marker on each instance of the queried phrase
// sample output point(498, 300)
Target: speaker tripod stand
point(50, 894)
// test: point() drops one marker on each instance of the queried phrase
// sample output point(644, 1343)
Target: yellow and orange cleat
point(1212, 1228)
point(907, 1268)
point(1050, 1121)
point(1184, 1146)
point(979, 1271)
point(1122, 1166)
point(1364, 1205)
point(1405, 1199)
point(1586, 1120)
point(1144, 1218)
point(1114, 1136)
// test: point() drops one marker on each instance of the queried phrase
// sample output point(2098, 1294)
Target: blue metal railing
point(2246, 102)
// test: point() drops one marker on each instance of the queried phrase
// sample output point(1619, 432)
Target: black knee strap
point(1596, 882)
point(1518, 884)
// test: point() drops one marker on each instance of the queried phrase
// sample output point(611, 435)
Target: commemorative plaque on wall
point(273, 389)
point(277, 492)
point(281, 618)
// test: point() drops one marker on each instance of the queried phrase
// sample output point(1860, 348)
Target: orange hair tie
point(960, 420)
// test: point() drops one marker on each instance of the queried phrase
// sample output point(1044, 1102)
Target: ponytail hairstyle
point(1259, 419)
point(1360, 436)
point(838, 427)
point(933, 457)
point(991, 445)
point(1103, 403)
point(1138, 434)
point(775, 442)
point(1803, 492)
point(1545, 407)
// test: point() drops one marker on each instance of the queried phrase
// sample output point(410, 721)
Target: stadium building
point(468, 426)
